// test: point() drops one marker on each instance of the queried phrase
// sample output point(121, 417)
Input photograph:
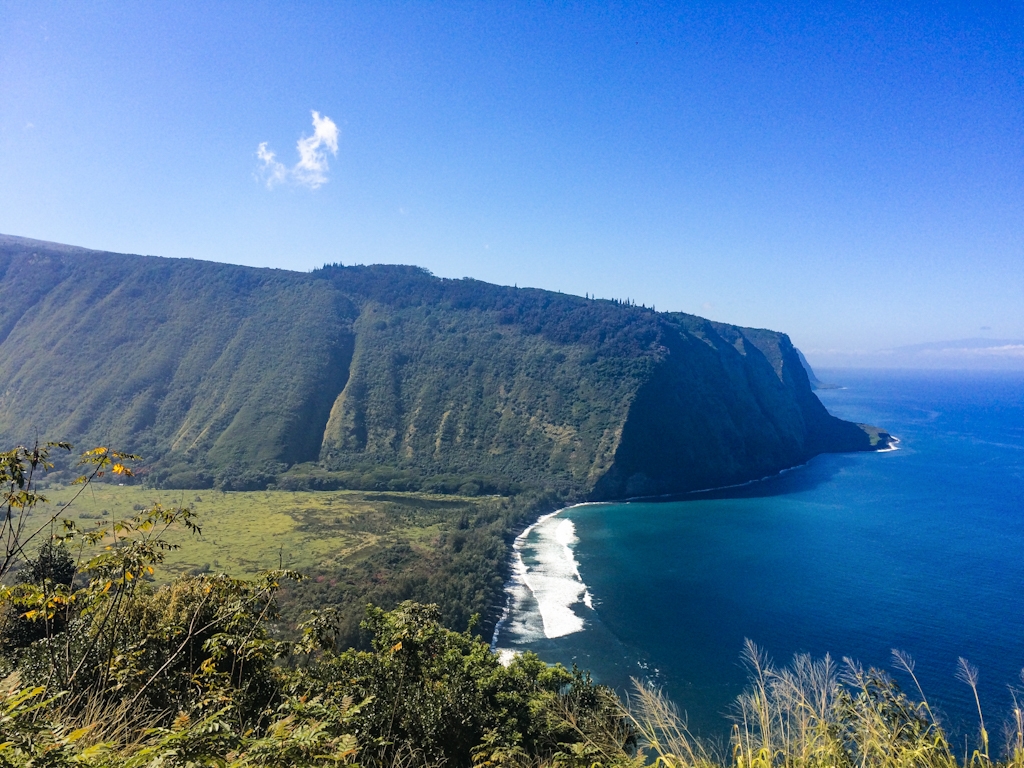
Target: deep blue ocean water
point(920, 549)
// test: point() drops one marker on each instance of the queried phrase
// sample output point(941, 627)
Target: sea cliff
point(387, 375)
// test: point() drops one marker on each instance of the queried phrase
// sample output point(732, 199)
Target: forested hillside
point(387, 377)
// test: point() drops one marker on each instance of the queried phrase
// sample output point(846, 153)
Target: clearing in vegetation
point(245, 532)
point(354, 547)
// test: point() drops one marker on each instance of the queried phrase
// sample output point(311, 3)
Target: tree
point(20, 468)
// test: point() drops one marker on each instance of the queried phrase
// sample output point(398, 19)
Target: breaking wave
point(545, 586)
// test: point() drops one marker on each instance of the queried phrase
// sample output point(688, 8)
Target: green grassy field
point(245, 532)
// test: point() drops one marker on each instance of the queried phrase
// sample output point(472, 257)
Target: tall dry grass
point(816, 713)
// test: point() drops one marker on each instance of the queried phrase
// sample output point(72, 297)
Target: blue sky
point(850, 174)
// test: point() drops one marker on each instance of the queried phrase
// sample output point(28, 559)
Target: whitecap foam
point(522, 618)
point(554, 580)
point(542, 595)
point(894, 445)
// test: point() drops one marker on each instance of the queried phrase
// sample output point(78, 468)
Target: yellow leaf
point(121, 469)
point(78, 733)
point(94, 750)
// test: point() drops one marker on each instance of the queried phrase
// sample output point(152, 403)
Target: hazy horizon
point(851, 175)
point(976, 354)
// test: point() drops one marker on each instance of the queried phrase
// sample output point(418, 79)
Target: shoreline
point(892, 444)
point(517, 559)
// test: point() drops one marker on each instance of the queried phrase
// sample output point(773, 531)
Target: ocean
point(919, 549)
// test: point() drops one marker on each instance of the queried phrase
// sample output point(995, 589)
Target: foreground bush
point(102, 666)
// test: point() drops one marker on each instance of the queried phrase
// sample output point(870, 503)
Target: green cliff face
point(213, 371)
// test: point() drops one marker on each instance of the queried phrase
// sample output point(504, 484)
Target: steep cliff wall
point(207, 366)
point(724, 405)
point(215, 371)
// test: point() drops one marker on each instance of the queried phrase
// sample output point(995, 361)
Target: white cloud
point(311, 170)
point(273, 171)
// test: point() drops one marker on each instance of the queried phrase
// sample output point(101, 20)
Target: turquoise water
point(920, 549)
